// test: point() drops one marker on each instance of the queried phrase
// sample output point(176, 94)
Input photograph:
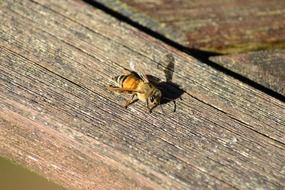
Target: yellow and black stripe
point(130, 81)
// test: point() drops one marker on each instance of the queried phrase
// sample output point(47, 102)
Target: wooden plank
point(57, 117)
point(217, 26)
point(265, 67)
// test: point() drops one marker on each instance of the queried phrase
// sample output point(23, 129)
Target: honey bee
point(137, 84)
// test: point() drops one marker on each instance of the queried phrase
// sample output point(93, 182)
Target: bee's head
point(154, 98)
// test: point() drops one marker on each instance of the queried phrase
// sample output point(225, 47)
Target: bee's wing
point(140, 70)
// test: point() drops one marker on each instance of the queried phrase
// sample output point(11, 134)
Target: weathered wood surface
point(265, 67)
point(219, 26)
point(56, 117)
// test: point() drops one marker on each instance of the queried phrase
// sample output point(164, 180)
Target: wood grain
point(265, 67)
point(217, 26)
point(58, 119)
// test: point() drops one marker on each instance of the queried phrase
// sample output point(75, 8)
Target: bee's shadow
point(170, 90)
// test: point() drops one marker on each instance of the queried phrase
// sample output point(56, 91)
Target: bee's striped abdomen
point(127, 81)
point(120, 80)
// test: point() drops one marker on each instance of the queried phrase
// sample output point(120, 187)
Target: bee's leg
point(119, 89)
point(112, 88)
point(133, 99)
point(147, 105)
point(150, 109)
